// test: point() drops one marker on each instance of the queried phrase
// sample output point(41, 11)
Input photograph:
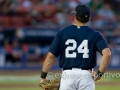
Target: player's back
point(77, 47)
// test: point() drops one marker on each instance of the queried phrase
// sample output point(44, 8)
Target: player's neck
point(77, 23)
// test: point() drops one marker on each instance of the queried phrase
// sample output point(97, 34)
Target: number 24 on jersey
point(82, 48)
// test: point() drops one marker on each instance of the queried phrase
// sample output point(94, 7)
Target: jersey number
point(83, 48)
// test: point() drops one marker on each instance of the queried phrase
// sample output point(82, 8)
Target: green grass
point(21, 89)
point(31, 83)
point(37, 88)
point(108, 88)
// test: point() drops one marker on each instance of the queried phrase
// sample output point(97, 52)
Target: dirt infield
point(36, 86)
point(18, 85)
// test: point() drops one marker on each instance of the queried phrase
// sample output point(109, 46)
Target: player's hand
point(42, 80)
point(94, 75)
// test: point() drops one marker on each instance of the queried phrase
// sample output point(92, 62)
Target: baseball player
point(77, 45)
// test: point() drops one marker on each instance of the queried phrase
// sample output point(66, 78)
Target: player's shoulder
point(91, 29)
point(66, 28)
point(94, 31)
point(97, 33)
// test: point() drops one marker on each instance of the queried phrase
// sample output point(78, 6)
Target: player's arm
point(51, 57)
point(103, 49)
point(106, 55)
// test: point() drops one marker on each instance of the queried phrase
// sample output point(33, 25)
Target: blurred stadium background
point(27, 28)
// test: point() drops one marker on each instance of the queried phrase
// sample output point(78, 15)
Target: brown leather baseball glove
point(50, 84)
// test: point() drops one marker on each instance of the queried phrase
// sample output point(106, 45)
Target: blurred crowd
point(105, 17)
point(55, 12)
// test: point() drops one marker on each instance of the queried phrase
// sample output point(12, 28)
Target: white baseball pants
point(76, 79)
